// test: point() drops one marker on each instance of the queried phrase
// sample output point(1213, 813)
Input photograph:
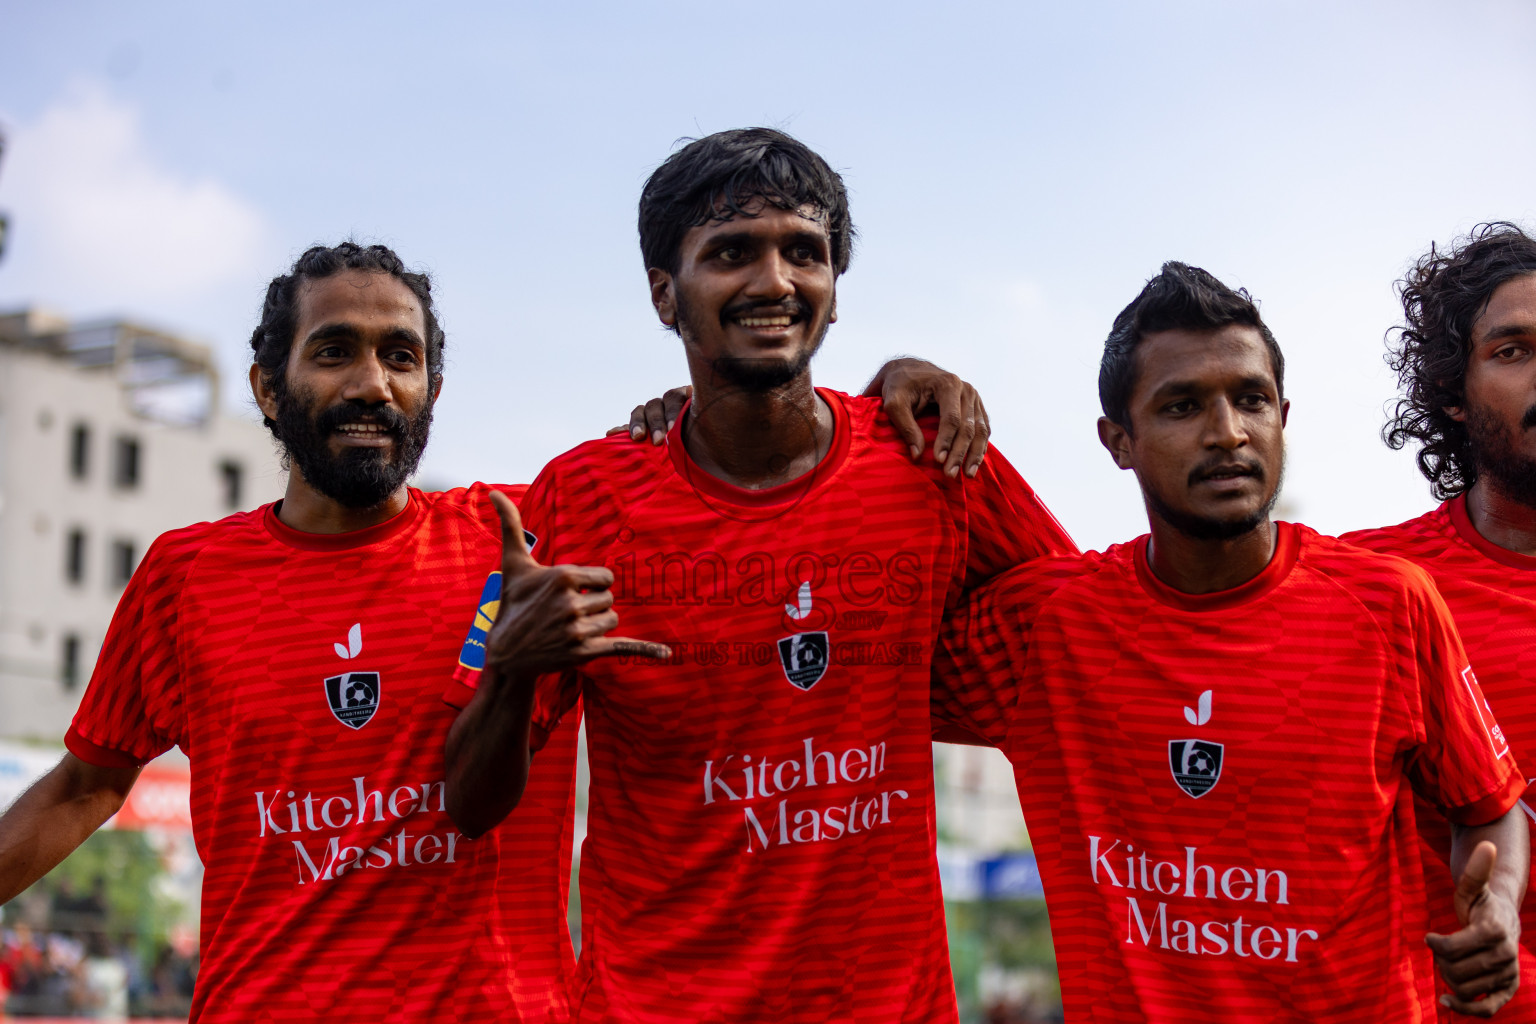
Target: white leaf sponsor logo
point(354, 645)
point(803, 607)
point(1203, 714)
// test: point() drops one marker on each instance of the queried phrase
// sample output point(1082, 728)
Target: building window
point(122, 563)
point(69, 663)
point(232, 476)
point(125, 471)
point(79, 451)
point(74, 555)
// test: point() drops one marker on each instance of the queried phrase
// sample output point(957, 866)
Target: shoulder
point(1368, 574)
point(472, 503)
point(1421, 536)
point(188, 542)
point(1044, 580)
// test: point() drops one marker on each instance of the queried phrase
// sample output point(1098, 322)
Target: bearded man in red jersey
point(1466, 358)
point(296, 654)
point(759, 843)
point(1218, 728)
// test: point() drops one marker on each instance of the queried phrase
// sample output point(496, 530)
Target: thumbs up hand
point(552, 617)
point(1480, 962)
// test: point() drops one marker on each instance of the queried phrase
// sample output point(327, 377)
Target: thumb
point(514, 546)
point(1474, 878)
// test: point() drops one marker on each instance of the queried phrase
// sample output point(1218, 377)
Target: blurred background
point(1017, 170)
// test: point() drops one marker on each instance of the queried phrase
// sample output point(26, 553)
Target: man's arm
point(551, 618)
point(1480, 963)
point(905, 386)
point(54, 816)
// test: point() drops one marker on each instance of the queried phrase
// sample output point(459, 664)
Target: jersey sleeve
point(981, 659)
point(554, 695)
point(132, 710)
point(1006, 523)
point(1465, 766)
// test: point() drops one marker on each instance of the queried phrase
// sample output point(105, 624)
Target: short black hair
point(274, 336)
point(1180, 297)
point(713, 178)
point(1443, 295)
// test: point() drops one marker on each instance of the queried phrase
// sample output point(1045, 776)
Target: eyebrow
point(1510, 331)
point(748, 238)
point(341, 329)
point(1185, 387)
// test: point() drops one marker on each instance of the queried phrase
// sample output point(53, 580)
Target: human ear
point(1117, 441)
point(663, 295)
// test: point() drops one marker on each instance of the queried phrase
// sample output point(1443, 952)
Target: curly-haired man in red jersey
point(1218, 728)
point(1466, 358)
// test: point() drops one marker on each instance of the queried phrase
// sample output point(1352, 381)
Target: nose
point(771, 278)
point(368, 382)
point(1224, 427)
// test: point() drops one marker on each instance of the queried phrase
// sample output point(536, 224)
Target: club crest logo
point(353, 696)
point(804, 658)
point(1196, 764)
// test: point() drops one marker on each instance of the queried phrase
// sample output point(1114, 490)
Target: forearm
point(1512, 837)
point(53, 817)
point(486, 757)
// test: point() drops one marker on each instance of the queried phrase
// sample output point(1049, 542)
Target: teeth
point(360, 428)
point(765, 321)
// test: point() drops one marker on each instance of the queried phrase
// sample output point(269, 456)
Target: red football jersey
point(1219, 787)
point(1491, 592)
point(760, 831)
point(302, 674)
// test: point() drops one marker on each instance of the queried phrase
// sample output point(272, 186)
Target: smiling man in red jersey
point(1218, 728)
point(760, 843)
point(1466, 357)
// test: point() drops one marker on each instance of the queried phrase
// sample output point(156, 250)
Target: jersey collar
point(402, 521)
point(714, 489)
point(1287, 548)
point(1461, 519)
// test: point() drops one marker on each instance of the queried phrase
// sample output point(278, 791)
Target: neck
point(756, 439)
point(306, 509)
point(1205, 566)
point(1501, 519)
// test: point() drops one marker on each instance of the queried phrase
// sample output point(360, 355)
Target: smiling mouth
point(783, 320)
point(370, 430)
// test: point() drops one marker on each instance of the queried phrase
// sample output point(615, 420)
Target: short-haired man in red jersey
point(760, 843)
point(1466, 357)
point(1218, 729)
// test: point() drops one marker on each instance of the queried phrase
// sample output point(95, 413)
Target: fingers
point(901, 415)
point(957, 424)
point(611, 646)
point(672, 404)
point(514, 546)
point(1487, 1006)
point(1474, 877)
point(978, 450)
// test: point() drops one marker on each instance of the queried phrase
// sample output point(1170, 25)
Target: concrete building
point(110, 434)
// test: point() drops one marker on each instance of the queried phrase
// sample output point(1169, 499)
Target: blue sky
point(1016, 170)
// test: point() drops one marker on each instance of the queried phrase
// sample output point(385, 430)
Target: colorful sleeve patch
point(472, 654)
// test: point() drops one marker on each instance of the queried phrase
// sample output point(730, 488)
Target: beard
point(1198, 527)
point(357, 478)
point(758, 374)
point(1497, 455)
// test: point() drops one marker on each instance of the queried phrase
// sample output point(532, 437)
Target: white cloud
point(98, 221)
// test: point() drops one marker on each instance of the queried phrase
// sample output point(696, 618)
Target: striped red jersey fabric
point(1219, 788)
point(302, 674)
point(760, 831)
point(1491, 592)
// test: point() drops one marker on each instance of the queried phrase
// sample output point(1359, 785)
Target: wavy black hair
point(274, 336)
point(1443, 296)
point(1180, 297)
point(713, 178)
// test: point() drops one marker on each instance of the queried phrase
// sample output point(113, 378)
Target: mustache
point(794, 306)
point(1211, 467)
point(391, 420)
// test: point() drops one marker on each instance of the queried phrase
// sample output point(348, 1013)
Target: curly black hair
point(1443, 296)
point(273, 337)
point(713, 178)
